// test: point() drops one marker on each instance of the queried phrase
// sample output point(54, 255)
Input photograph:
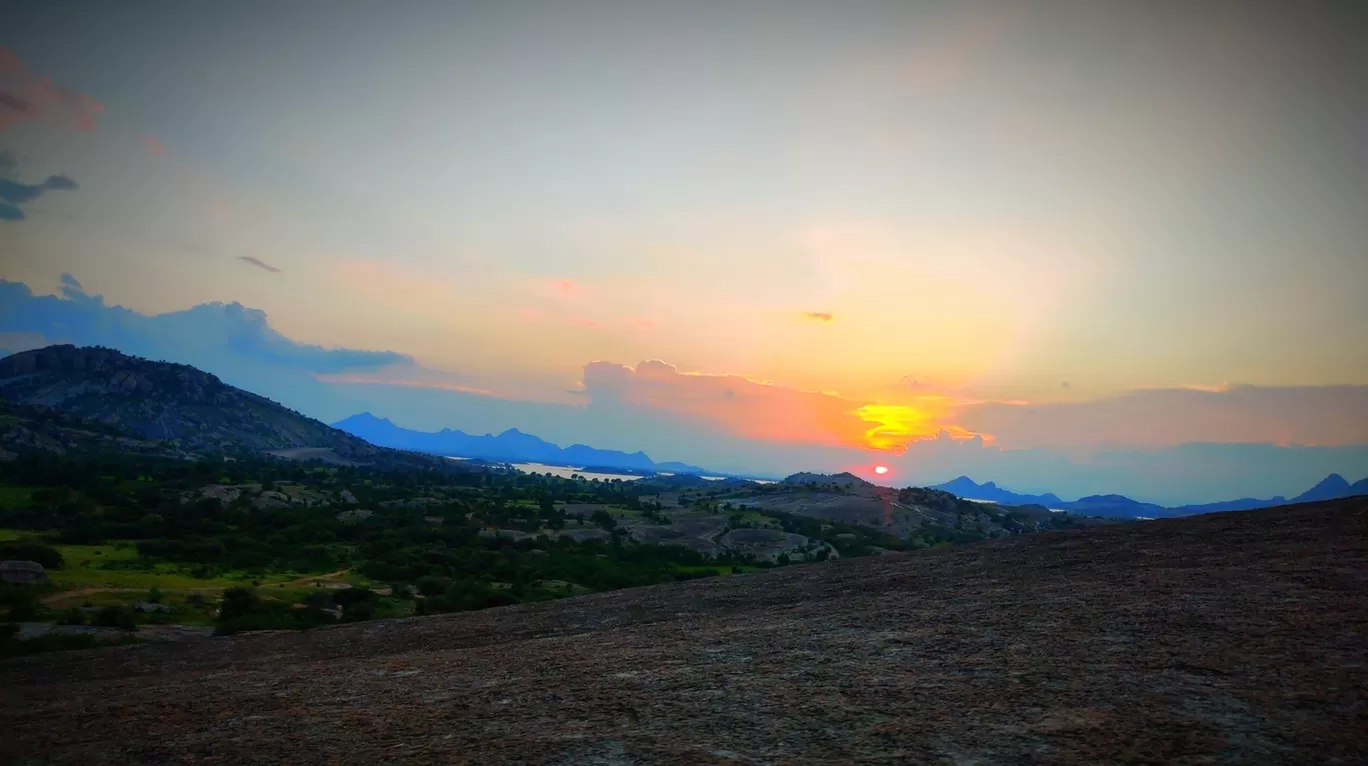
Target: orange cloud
point(819, 316)
point(758, 410)
point(355, 379)
point(1159, 418)
point(566, 287)
point(26, 95)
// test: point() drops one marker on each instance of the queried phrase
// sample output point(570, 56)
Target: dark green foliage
point(20, 603)
point(116, 617)
point(72, 616)
point(29, 550)
point(435, 548)
point(243, 610)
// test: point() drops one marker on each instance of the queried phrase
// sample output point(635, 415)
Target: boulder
point(17, 572)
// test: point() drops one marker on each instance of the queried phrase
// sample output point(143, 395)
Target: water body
point(567, 471)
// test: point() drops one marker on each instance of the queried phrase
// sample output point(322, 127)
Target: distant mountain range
point(1332, 487)
point(511, 446)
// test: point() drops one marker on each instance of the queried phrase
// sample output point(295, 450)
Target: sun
point(881, 469)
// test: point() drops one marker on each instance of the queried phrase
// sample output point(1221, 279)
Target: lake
point(567, 471)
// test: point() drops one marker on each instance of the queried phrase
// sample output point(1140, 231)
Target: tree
point(116, 617)
point(237, 602)
point(603, 519)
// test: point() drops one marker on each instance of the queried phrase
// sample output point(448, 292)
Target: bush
point(352, 596)
point(28, 550)
point(116, 617)
point(22, 604)
point(429, 585)
point(238, 602)
point(241, 610)
point(360, 610)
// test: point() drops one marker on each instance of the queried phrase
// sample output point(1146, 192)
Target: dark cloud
point(13, 102)
point(13, 194)
point(8, 162)
point(214, 336)
point(819, 316)
point(60, 183)
point(258, 263)
point(33, 96)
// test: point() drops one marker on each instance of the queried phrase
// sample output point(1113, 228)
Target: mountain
point(181, 408)
point(1332, 487)
point(1115, 506)
point(511, 446)
point(1243, 504)
point(964, 486)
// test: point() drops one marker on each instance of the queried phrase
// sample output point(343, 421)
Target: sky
point(1068, 246)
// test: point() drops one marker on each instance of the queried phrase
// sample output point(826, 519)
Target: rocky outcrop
point(23, 573)
point(1224, 639)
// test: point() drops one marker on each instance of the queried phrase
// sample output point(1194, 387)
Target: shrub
point(116, 617)
point(23, 604)
point(353, 596)
point(28, 550)
point(360, 610)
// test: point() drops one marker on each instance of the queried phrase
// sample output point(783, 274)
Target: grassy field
point(113, 574)
point(15, 497)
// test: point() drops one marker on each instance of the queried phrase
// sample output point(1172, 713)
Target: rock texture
point(1231, 638)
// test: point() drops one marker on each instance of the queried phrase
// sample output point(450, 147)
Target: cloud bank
point(1170, 447)
point(217, 335)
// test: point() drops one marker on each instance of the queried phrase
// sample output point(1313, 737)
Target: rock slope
point(1230, 638)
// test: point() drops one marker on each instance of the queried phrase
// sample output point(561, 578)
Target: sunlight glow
point(881, 469)
point(898, 425)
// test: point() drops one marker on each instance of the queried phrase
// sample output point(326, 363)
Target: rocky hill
point(928, 514)
point(1221, 639)
point(178, 406)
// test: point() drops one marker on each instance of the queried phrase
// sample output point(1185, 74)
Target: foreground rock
point(1232, 638)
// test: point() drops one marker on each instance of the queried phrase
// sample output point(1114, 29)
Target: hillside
point(1232, 638)
point(174, 404)
point(911, 513)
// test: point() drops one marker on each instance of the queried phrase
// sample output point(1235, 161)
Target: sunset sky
point(1076, 238)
